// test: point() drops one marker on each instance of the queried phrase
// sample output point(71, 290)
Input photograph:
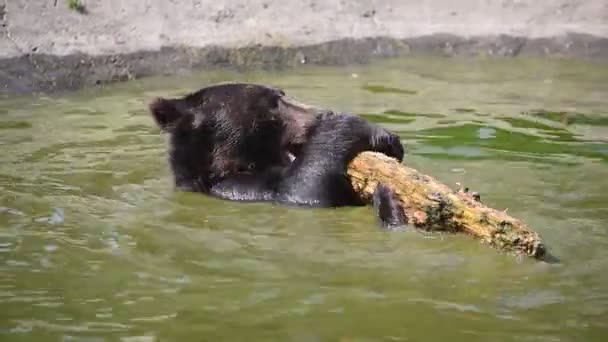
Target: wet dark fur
point(232, 141)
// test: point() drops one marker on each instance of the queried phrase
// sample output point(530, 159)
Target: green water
point(95, 245)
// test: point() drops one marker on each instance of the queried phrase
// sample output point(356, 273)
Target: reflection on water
point(95, 245)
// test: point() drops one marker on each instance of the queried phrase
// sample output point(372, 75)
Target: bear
point(249, 142)
point(230, 128)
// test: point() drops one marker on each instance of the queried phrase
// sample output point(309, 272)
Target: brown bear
point(238, 141)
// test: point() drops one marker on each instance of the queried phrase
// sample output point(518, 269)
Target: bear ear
point(164, 112)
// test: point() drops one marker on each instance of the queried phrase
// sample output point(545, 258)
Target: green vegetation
point(76, 5)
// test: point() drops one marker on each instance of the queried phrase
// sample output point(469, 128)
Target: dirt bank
point(46, 46)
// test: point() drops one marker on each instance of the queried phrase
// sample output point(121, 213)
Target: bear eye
point(251, 166)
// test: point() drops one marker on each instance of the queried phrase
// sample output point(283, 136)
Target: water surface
point(96, 246)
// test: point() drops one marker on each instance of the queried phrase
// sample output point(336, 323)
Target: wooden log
point(433, 206)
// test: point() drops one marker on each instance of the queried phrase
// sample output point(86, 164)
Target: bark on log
point(431, 205)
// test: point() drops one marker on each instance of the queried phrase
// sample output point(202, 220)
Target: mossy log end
point(433, 206)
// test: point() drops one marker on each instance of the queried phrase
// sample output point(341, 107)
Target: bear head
point(231, 128)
